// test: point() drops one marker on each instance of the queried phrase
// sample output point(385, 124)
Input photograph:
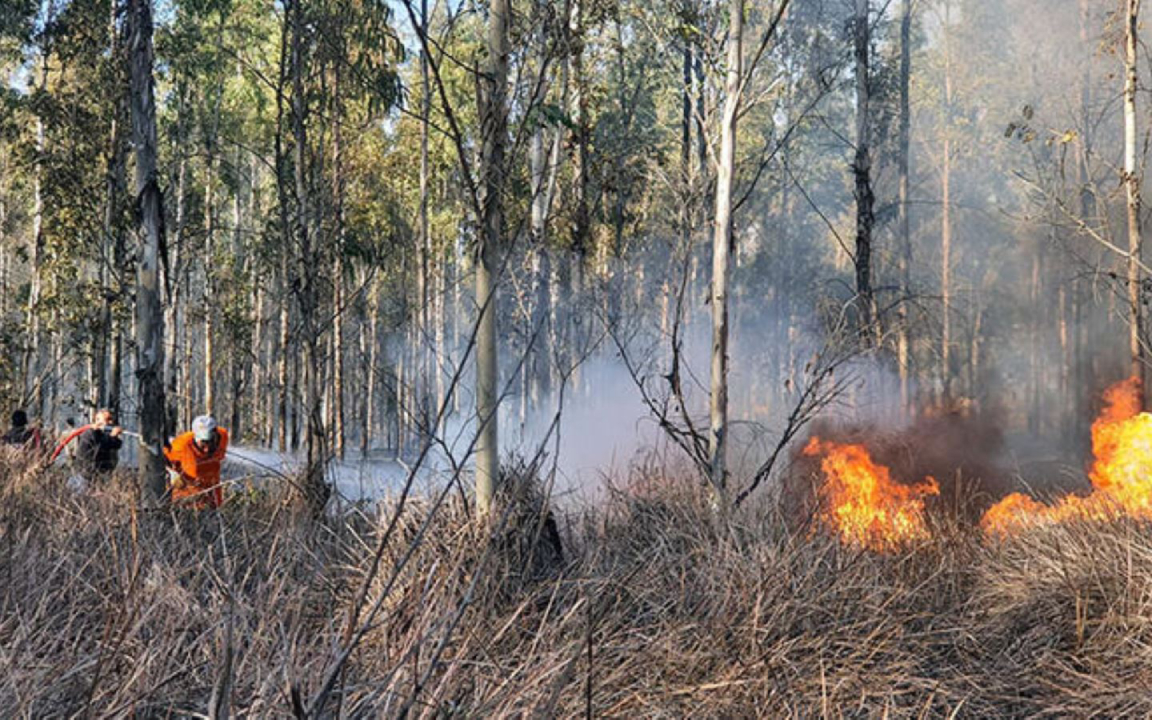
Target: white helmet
point(204, 428)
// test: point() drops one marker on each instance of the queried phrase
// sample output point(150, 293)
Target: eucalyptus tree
point(150, 200)
point(1132, 184)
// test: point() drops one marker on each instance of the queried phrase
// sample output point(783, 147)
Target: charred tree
point(150, 213)
point(862, 173)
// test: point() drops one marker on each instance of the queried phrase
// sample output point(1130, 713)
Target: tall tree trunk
point(903, 341)
point(316, 491)
point(494, 124)
point(370, 383)
point(338, 275)
point(149, 319)
point(438, 320)
point(1033, 350)
point(1132, 183)
point(721, 249)
point(236, 360)
point(116, 360)
point(257, 358)
point(862, 172)
point(401, 399)
point(582, 220)
point(173, 306)
point(209, 300)
point(946, 217)
point(31, 359)
point(113, 186)
point(1082, 332)
point(686, 149)
point(543, 162)
point(281, 409)
point(425, 354)
point(338, 300)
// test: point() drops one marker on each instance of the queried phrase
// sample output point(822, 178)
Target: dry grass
point(656, 609)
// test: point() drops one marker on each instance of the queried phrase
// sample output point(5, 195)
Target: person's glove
point(175, 479)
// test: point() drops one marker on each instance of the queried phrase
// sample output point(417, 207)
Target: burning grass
point(862, 504)
point(655, 609)
point(1121, 472)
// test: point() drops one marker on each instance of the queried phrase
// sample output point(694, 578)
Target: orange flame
point(862, 503)
point(1121, 473)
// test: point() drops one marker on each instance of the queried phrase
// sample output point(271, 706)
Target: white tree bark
point(721, 250)
point(1132, 183)
point(903, 227)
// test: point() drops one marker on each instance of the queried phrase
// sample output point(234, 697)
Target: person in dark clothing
point(98, 447)
point(20, 435)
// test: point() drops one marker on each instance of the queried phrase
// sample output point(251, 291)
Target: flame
point(1121, 474)
point(862, 503)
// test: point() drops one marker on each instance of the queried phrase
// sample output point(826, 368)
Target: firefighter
point(194, 460)
point(97, 447)
point(21, 437)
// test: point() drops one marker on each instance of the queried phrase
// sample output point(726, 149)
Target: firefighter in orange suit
point(194, 460)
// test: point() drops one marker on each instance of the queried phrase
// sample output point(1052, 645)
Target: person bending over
point(194, 460)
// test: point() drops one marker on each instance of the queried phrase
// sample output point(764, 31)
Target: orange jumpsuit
point(199, 470)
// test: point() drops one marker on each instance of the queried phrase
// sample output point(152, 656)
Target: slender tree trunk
point(974, 355)
point(438, 321)
point(31, 360)
point(1065, 365)
point(338, 432)
point(494, 124)
point(543, 163)
point(686, 150)
point(1082, 330)
point(370, 383)
point(1132, 183)
point(338, 277)
point(1033, 350)
point(236, 359)
point(294, 403)
point(172, 310)
point(862, 172)
point(285, 354)
point(149, 319)
point(281, 410)
point(113, 186)
point(721, 249)
point(582, 220)
point(946, 217)
point(401, 400)
point(116, 359)
point(257, 357)
point(209, 282)
point(903, 341)
point(316, 490)
point(425, 354)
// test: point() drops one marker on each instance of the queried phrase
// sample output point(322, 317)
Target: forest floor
point(654, 608)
